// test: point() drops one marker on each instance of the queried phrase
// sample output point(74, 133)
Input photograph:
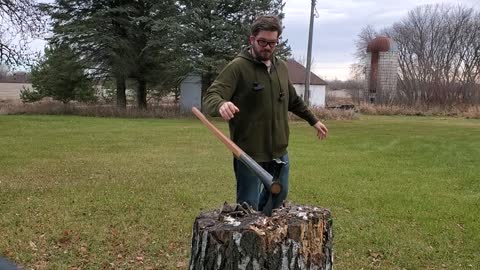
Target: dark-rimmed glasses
point(264, 43)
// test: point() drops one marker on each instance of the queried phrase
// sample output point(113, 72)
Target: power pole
point(309, 55)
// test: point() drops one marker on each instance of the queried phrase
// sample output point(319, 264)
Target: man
point(253, 92)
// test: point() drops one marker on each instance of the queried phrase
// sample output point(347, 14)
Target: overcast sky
point(337, 25)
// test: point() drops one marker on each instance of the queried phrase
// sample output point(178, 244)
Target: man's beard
point(262, 55)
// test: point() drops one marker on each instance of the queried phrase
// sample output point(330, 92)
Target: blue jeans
point(250, 187)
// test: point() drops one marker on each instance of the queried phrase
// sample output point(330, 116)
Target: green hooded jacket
point(260, 128)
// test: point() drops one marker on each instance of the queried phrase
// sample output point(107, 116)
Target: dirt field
point(11, 90)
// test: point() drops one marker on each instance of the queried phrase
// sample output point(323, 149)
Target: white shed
point(297, 73)
point(191, 92)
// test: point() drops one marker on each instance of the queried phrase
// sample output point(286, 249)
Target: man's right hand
point(227, 110)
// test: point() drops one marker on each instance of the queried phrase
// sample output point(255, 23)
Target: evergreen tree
point(155, 43)
point(119, 38)
point(215, 31)
point(61, 76)
point(97, 31)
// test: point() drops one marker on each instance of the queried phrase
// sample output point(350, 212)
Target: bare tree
point(367, 34)
point(439, 55)
point(21, 21)
point(357, 69)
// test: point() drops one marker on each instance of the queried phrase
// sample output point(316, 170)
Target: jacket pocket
point(253, 139)
point(282, 133)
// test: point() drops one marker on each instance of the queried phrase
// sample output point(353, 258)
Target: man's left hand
point(322, 130)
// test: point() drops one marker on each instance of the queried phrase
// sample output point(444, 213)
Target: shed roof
point(297, 72)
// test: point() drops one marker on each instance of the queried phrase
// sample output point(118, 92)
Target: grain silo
point(381, 70)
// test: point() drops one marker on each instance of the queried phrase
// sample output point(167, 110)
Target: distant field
point(102, 193)
point(12, 90)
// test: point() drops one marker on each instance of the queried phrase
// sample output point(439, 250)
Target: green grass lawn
point(98, 193)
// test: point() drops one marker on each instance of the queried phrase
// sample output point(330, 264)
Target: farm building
point(297, 73)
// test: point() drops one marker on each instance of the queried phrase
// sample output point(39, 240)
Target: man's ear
point(252, 39)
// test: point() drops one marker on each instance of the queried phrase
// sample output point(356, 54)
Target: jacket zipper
point(273, 112)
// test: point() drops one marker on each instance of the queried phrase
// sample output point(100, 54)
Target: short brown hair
point(266, 23)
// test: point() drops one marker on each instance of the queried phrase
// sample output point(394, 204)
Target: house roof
point(297, 72)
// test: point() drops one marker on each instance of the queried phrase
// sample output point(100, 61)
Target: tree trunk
point(206, 82)
point(294, 238)
point(142, 94)
point(121, 96)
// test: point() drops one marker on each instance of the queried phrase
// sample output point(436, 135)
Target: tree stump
point(295, 237)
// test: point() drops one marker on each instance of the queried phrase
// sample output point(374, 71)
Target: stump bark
point(295, 237)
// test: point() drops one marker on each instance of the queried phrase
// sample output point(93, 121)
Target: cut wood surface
point(235, 237)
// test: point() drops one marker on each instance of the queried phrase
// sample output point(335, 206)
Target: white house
point(297, 73)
